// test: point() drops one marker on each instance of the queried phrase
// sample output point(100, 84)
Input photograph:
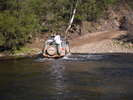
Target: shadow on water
point(75, 77)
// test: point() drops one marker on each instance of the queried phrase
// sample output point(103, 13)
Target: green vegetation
point(25, 51)
point(17, 23)
point(21, 20)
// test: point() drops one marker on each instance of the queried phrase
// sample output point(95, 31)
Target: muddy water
point(77, 77)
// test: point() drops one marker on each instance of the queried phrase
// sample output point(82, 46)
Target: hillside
point(27, 23)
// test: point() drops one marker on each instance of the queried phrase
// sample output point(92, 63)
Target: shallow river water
point(76, 77)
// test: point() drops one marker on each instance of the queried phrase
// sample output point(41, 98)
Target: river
point(77, 77)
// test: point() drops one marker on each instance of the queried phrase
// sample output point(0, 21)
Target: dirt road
point(100, 42)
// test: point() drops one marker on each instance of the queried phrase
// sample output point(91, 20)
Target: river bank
point(18, 54)
point(99, 42)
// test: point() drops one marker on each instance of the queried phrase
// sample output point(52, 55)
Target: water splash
point(75, 57)
point(83, 57)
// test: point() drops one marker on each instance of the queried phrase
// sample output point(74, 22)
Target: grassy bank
point(22, 52)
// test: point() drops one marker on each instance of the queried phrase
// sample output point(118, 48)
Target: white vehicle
point(55, 48)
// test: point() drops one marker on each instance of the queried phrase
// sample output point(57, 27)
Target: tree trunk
point(72, 18)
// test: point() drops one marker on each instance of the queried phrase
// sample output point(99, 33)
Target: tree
point(73, 16)
point(18, 22)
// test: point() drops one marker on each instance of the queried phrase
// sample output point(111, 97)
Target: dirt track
point(100, 42)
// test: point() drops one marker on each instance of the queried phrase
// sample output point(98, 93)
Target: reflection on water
point(76, 77)
point(58, 75)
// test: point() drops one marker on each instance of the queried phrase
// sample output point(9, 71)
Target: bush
point(17, 24)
